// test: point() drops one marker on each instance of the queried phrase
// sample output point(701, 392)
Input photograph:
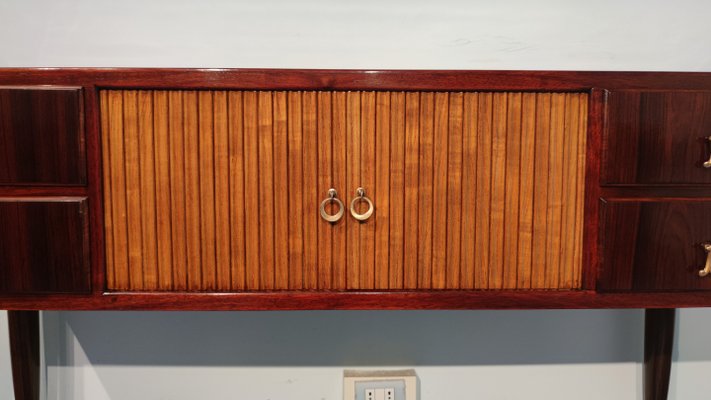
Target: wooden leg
point(25, 353)
point(658, 345)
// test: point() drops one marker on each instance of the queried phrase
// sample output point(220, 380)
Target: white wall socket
point(379, 394)
point(380, 385)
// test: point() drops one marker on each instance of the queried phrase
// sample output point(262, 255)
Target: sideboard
point(215, 189)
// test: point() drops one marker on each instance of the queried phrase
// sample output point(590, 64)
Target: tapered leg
point(658, 344)
point(25, 353)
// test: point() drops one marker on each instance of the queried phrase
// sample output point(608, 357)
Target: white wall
point(300, 355)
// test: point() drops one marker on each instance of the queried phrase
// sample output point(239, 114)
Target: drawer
point(657, 137)
point(654, 245)
point(221, 190)
point(44, 246)
point(41, 136)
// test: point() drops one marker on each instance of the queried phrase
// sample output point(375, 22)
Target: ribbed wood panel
point(219, 190)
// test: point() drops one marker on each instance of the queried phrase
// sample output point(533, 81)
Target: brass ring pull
point(707, 163)
point(360, 196)
point(331, 199)
point(707, 267)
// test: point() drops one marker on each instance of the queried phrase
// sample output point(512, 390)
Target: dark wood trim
point(46, 191)
point(400, 300)
point(352, 79)
point(95, 189)
point(25, 353)
point(658, 347)
point(596, 109)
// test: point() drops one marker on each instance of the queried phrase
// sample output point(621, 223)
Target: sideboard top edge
point(305, 79)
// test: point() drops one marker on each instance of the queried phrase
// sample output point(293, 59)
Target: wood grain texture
point(360, 300)
point(24, 330)
point(41, 136)
point(397, 190)
point(654, 244)
point(330, 79)
point(658, 349)
point(44, 245)
point(657, 137)
point(471, 190)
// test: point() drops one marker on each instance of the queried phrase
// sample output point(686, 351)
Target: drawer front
point(44, 246)
point(220, 191)
point(654, 245)
point(657, 138)
point(41, 137)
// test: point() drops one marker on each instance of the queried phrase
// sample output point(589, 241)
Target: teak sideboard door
point(220, 190)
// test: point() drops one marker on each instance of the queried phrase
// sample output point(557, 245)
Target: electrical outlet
point(380, 385)
point(379, 393)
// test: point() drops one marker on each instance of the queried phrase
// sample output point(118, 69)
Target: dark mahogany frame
point(660, 314)
point(596, 83)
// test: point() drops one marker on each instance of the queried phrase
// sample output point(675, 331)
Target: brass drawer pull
point(360, 196)
point(707, 267)
point(331, 199)
point(707, 163)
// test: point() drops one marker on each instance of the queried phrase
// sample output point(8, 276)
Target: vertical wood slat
point(425, 192)
point(454, 191)
point(325, 179)
point(353, 146)
point(251, 191)
point(132, 192)
point(411, 183)
point(223, 257)
point(497, 221)
point(192, 190)
point(311, 194)
point(555, 191)
point(237, 190)
point(107, 183)
point(540, 192)
point(469, 182)
point(526, 190)
point(295, 156)
point(367, 182)
point(206, 179)
point(340, 174)
point(483, 191)
point(511, 192)
point(265, 208)
point(149, 247)
point(219, 191)
point(569, 189)
point(281, 193)
point(162, 190)
point(439, 189)
point(397, 184)
point(177, 190)
point(382, 190)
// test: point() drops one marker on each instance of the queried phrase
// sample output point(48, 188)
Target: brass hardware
point(360, 196)
point(707, 267)
point(707, 163)
point(331, 199)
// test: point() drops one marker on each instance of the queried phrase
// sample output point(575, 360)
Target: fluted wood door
point(219, 190)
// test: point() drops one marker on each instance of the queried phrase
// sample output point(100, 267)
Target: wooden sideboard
point(161, 189)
